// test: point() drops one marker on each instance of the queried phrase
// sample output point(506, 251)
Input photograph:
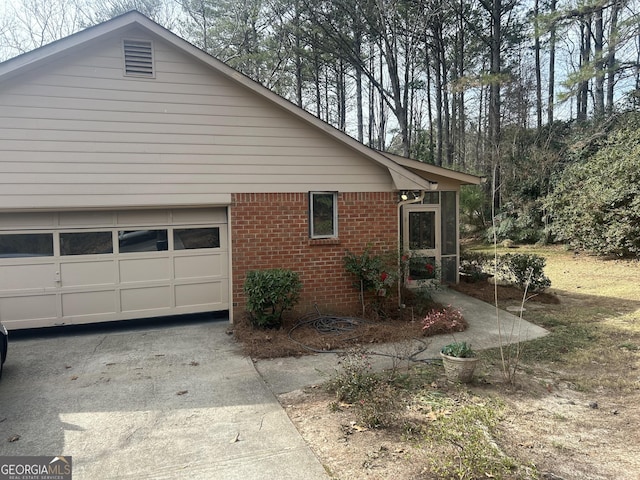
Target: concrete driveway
point(150, 400)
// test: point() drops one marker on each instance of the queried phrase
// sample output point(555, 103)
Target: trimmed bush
point(269, 294)
point(526, 269)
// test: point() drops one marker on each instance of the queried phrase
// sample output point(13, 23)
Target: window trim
point(334, 234)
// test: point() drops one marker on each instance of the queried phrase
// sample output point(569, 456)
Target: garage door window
point(133, 241)
point(26, 245)
point(191, 238)
point(86, 243)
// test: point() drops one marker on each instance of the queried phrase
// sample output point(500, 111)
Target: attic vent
point(138, 58)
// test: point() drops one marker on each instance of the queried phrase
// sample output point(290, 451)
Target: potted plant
point(459, 361)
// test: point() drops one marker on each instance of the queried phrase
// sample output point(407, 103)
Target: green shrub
point(474, 207)
point(595, 204)
point(376, 274)
point(521, 225)
point(526, 269)
point(475, 265)
point(269, 294)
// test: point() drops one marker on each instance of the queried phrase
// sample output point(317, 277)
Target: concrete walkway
point(176, 400)
point(284, 375)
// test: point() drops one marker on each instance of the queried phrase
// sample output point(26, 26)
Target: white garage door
point(81, 267)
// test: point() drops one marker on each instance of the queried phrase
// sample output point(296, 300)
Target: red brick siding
point(271, 230)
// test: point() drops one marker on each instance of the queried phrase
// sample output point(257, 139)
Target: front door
point(421, 243)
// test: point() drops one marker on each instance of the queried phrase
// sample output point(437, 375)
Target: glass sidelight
point(422, 230)
point(421, 240)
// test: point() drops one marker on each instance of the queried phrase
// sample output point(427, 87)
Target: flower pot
point(459, 370)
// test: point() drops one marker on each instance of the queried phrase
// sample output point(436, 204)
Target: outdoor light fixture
point(415, 195)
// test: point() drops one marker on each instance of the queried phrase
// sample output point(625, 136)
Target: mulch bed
point(300, 335)
point(304, 338)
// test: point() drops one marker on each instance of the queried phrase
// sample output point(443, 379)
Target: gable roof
point(407, 174)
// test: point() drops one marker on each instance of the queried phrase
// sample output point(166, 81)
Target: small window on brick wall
point(323, 214)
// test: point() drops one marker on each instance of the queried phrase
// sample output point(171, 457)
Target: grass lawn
point(570, 413)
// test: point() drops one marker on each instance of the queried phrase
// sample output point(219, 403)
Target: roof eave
point(433, 170)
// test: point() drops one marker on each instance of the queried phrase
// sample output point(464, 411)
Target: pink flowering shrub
point(443, 320)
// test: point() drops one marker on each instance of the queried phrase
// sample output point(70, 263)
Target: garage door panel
point(142, 217)
point(200, 215)
point(20, 220)
point(145, 298)
point(80, 219)
point(25, 276)
point(210, 293)
point(196, 266)
point(88, 273)
point(28, 307)
point(88, 303)
point(84, 266)
point(144, 269)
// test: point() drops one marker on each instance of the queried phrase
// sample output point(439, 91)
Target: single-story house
point(141, 177)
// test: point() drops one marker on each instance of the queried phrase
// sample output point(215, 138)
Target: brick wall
point(271, 230)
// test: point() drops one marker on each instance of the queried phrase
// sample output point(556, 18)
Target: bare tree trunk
point(494, 95)
point(372, 99)
point(448, 151)
point(359, 107)
point(479, 138)
point(599, 64)
point(439, 122)
point(585, 49)
point(536, 47)
point(327, 103)
point(382, 129)
point(317, 68)
point(461, 130)
point(429, 108)
point(637, 70)
point(341, 93)
point(611, 54)
point(552, 66)
point(298, 56)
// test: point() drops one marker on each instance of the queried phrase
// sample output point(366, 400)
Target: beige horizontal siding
point(36, 202)
point(101, 162)
point(107, 111)
point(158, 127)
point(218, 152)
point(79, 133)
point(180, 186)
point(30, 173)
point(69, 137)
